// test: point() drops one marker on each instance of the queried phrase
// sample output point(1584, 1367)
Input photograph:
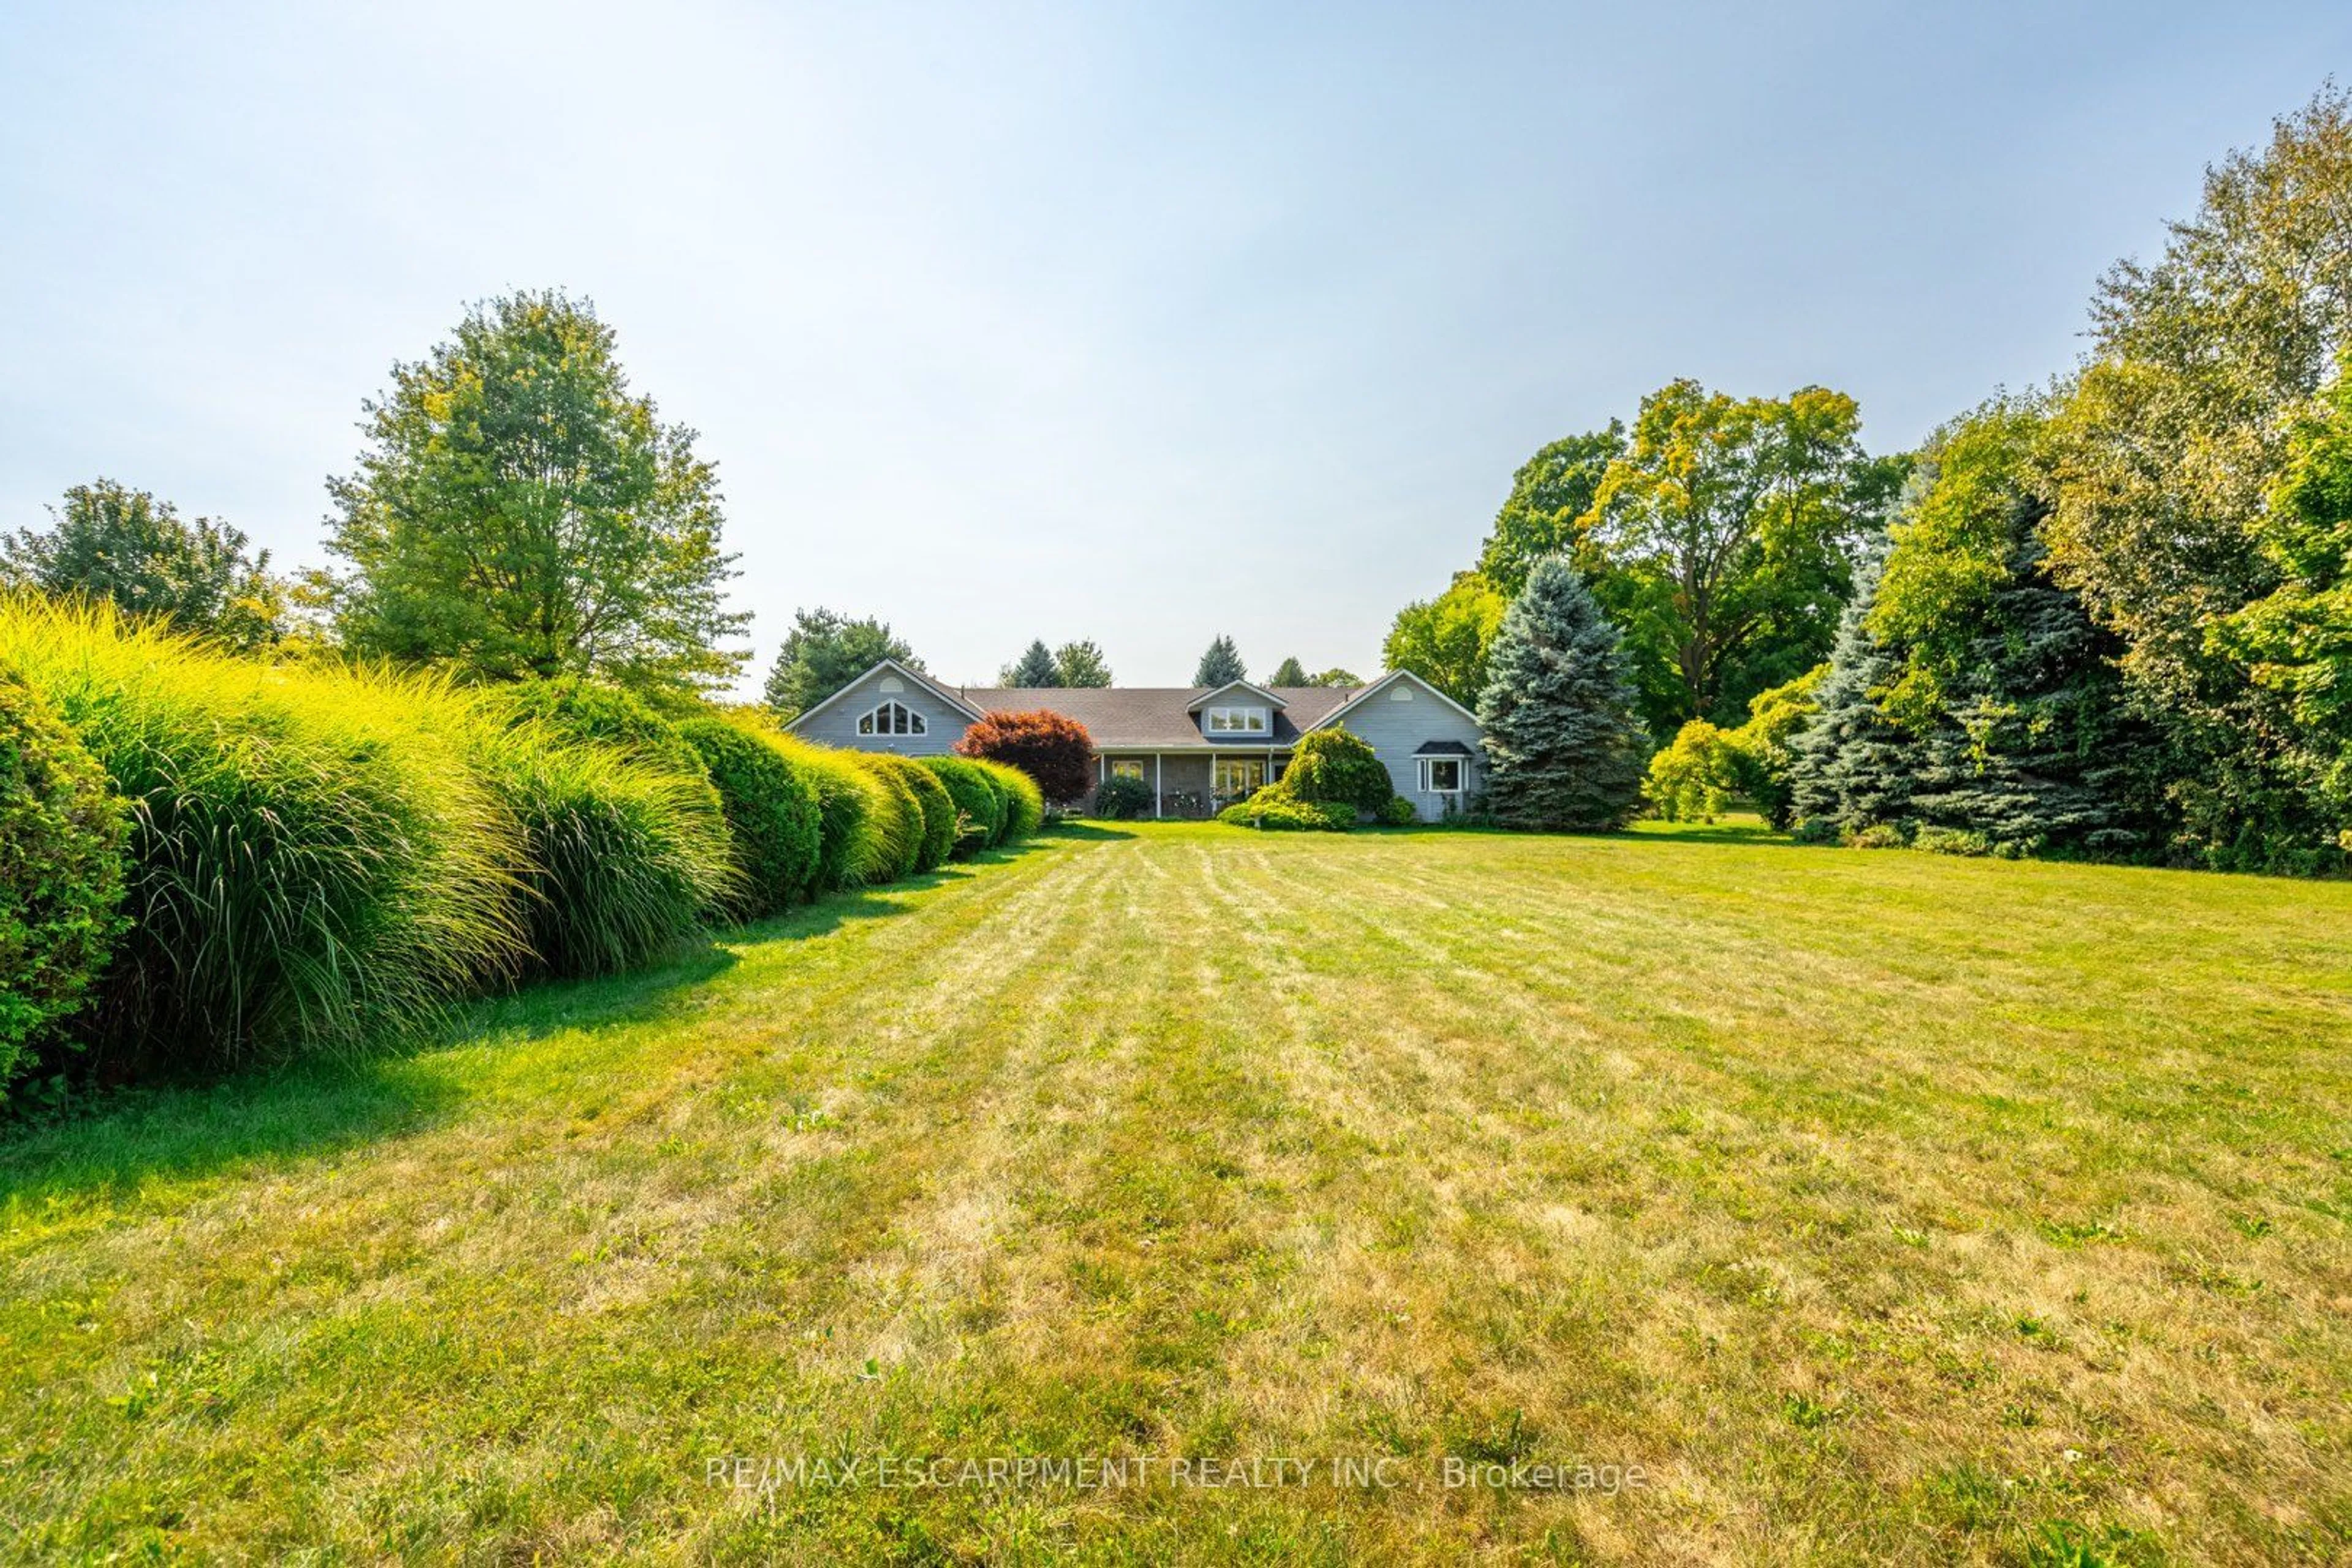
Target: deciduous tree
point(1445, 640)
point(1051, 748)
point(1549, 494)
point(111, 541)
point(1081, 663)
point(517, 512)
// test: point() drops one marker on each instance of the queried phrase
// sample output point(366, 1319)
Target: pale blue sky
point(1132, 322)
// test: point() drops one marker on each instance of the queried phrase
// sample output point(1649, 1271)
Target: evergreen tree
point(1290, 672)
point(1566, 749)
point(1221, 665)
point(1035, 666)
point(825, 651)
point(1081, 663)
point(1851, 767)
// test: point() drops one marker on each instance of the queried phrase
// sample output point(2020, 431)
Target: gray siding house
point(1199, 748)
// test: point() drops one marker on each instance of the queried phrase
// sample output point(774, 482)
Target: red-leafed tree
point(1053, 750)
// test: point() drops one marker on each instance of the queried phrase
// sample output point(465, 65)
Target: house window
point(1235, 776)
point(1441, 775)
point(1125, 768)
point(892, 718)
point(1236, 720)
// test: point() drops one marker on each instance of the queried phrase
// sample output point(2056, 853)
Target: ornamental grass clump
point(898, 825)
point(621, 859)
point(312, 861)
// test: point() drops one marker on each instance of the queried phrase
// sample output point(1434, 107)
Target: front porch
point(1196, 785)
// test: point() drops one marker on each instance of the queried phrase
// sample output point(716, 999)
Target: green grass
point(1880, 1207)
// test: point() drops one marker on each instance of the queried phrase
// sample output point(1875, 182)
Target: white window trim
point(1429, 775)
point(870, 722)
point(1225, 767)
point(1255, 722)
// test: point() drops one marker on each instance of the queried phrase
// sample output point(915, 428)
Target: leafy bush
point(1122, 797)
point(977, 800)
point(1024, 802)
point(1762, 756)
point(62, 833)
point(847, 793)
point(1399, 812)
point(1950, 841)
point(772, 813)
point(621, 859)
point(938, 806)
point(312, 859)
point(1049, 749)
point(1875, 835)
point(898, 824)
point(1693, 779)
point(1334, 767)
point(1276, 810)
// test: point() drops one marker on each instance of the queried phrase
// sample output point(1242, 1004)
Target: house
point(1201, 748)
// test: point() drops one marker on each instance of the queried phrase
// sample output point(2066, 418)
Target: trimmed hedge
point(62, 833)
point(772, 811)
point(846, 794)
point(899, 827)
point(312, 859)
point(1276, 810)
point(1024, 802)
point(978, 800)
point(939, 806)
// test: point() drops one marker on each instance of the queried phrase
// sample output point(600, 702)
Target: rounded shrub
point(1024, 802)
point(1399, 812)
point(1276, 810)
point(312, 859)
point(939, 806)
point(772, 813)
point(898, 824)
point(62, 833)
point(980, 808)
point(1049, 748)
point(847, 803)
point(1122, 797)
point(591, 710)
point(621, 858)
point(1333, 767)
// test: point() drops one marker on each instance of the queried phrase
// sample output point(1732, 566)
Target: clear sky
point(1136, 322)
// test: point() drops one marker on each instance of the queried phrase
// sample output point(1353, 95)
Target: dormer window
point(1235, 722)
point(892, 718)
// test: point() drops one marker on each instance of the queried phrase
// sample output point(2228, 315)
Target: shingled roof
point(1140, 718)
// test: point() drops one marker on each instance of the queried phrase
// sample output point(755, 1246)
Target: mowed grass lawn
point(1878, 1206)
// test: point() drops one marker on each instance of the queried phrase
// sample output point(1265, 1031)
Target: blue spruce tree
point(1565, 750)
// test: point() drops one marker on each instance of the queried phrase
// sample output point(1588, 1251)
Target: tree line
point(2109, 616)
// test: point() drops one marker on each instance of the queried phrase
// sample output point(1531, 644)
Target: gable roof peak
point(1214, 693)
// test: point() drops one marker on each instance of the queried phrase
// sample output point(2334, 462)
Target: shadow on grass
point(177, 1131)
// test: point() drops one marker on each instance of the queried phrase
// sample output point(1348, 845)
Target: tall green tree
point(2296, 640)
point(1997, 670)
point(1550, 495)
point(1337, 675)
point(111, 541)
point(1565, 748)
point(823, 652)
point(2164, 454)
point(1445, 640)
point(1221, 665)
point(517, 512)
point(1289, 672)
point(1852, 766)
point(1721, 541)
point(1035, 666)
point(1081, 663)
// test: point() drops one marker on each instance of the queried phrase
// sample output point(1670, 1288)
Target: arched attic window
point(892, 718)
